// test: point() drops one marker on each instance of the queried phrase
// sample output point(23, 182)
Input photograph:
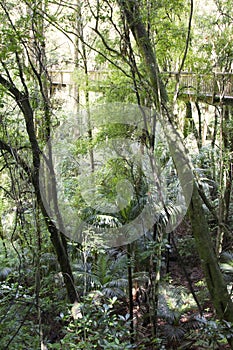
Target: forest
point(116, 168)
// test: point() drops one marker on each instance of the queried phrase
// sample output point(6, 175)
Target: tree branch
point(185, 52)
point(13, 152)
point(188, 37)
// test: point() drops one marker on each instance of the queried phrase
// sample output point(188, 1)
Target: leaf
point(228, 268)
point(4, 272)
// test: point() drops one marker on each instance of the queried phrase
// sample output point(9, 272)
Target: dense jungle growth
point(116, 166)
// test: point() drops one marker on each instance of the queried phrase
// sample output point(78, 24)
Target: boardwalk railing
point(214, 85)
point(67, 77)
point(61, 77)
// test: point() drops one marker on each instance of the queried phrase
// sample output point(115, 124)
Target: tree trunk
point(130, 289)
point(216, 285)
point(22, 99)
point(214, 278)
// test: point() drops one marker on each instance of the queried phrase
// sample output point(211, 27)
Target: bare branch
point(188, 37)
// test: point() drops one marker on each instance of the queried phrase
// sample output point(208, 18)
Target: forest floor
point(182, 330)
point(183, 333)
point(186, 324)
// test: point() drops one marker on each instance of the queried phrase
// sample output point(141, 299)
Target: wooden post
point(215, 87)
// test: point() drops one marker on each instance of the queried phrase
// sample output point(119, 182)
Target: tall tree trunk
point(216, 285)
point(22, 99)
point(214, 278)
point(130, 290)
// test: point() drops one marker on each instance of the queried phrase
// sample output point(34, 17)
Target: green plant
point(187, 249)
point(18, 320)
point(214, 334)
point(175, 328)
point(95, 325)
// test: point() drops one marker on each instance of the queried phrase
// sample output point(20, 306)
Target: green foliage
point(179, 331)
point(115, 87)
point(213, 50)
point(168, 30)
point(214, 334)
point(109, 276)
point(187, 249)
point(173, 304)
point(96, 326)
point(102, 272)
point(17, 327)
point(118, 182)
point(32, 293)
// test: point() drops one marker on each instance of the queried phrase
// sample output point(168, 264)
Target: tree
point(27, 53)
point(129, 43)
point(216, 285)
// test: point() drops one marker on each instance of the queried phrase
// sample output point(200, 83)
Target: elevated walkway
point(210, 88)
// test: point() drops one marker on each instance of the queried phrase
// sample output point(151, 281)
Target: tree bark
point(214, 278)
point(23, 102)
point(216, 285)
point(133, 17)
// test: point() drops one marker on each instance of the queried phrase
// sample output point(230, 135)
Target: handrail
point(215, 84)
point(190, 83)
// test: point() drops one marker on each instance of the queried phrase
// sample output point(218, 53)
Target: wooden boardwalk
point(212, 88)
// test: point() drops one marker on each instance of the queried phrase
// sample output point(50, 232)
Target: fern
point(173, 302)
point(105, 275)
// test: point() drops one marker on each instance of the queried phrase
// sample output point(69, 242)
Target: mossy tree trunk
point(214, 278)
point(216, 285)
